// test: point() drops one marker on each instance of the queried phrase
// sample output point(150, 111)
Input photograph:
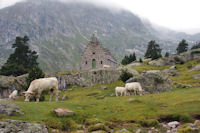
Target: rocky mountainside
point(60, 31)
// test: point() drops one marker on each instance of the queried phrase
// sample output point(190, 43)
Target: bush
point(148, 123)
point(35, 73)
point(68, 124)
point(125, 75)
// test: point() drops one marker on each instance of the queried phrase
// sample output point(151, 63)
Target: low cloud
point(6, 3)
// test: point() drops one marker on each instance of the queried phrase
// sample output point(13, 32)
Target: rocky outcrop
point(87, 78)
point(14, 126)
point(9, 83)
point(196, 68)
point(153, 81)
point(10, 109)
point(177, 59)
point(196, 76)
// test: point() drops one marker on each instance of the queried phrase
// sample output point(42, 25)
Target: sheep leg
point(116, 94)
point(37, 97)
point(50, 98)
point(56, 93)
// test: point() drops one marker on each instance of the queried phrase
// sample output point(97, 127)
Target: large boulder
point(196, 68)
point(153, 81)
point(10, 109)
point(14, 126)
point(176, 59)
point(10, 83)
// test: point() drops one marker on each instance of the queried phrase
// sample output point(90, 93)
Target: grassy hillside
point(93, 105)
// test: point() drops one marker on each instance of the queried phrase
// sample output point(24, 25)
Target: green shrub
point(125, 75)
point(68, 124)
point(98, 126)
point(148, 123)
point(34, 73)
point(185, 130)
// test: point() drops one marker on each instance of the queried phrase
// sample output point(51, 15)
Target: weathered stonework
point(96, 56)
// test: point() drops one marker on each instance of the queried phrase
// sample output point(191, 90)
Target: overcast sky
point(180, 15)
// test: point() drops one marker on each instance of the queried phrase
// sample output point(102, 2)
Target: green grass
point(93, 102)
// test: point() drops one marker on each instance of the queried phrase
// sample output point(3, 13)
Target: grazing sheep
point(135, 87)
point(120, 90)
point(13, 95)
point(39, 85)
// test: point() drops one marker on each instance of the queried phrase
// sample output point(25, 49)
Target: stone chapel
point(96, 56)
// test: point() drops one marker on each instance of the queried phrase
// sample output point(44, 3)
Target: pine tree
point(140, 60)
point(128, 59)
point(166, 54)
point(153, 50)
point(182, 46)
point(22, 60)
point(196, 46)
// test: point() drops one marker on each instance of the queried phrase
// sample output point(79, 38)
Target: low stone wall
point(87, 78)
point(9, 83)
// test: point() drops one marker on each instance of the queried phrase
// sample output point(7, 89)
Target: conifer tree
point(22, 60)
point(182, 47)
point(153, 50)
point(166, 54)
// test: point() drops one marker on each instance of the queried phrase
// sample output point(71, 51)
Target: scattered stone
point(171, 73)
point(138, 131)
point(197, 122)
point(10, 109)
point(112, 94)
point(173, 67)
point(196, 76)
point(80, 131)
point(131, 99)
point(124, 130)
point(70, 89)
point(180, 85)
point(104, 88)
point(173, 124)
point(64, 98)
point(63, 112)
point(196, 68)
point(101, 97)
point(14, 126)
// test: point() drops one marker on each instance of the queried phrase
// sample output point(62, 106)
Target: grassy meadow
point(93, 105)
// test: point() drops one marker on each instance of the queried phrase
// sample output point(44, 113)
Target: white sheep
point(39, 85)
point(135, 87)
point(13, 95)
point(120, 90)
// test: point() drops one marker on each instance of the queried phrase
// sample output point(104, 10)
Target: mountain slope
point(60, 31)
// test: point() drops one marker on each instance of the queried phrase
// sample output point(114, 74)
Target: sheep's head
point(27, 95)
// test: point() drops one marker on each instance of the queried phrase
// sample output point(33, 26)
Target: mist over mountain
point(59, 31)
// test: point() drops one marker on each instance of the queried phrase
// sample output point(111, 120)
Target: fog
point(179, 15)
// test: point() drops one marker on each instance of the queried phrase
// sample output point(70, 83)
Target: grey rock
point(176, 59)
point(131, 99)
point(196, 76)
point(104, 88)
point(9, 126)
point(10, 109)
point(9, 83)
point(153, 82)
point(171, 73)
point(173, 67)
point(124, 130)
point(196, 68)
